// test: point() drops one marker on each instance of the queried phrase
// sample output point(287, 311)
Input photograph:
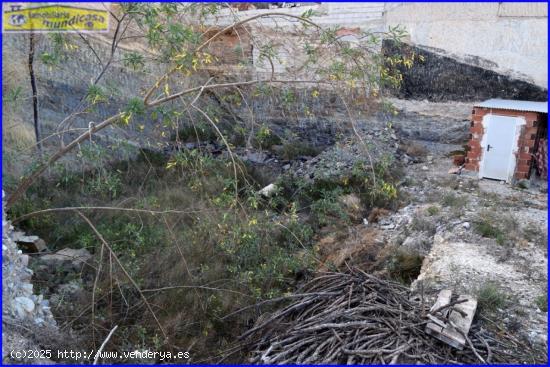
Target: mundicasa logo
point(55, 17)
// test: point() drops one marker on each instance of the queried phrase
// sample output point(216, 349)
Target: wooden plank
point(452, 337)
point(468, 308)
point(443, 298)
point(447, 335)
point(461, 317)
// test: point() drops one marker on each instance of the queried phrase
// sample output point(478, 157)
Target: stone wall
point(21, 307)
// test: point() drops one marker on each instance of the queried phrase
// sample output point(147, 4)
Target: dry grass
point(17, 138)
point(17, 135)
point(377, 213)
point(359, 248)
point(414, 150)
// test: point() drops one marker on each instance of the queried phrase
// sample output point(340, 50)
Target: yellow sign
point(55, 17)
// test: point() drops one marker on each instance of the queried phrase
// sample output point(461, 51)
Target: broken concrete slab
point(29, 244)
point(269, 190)
point(75, 258)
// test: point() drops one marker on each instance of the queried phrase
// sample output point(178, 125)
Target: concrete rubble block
point(23, 306)
point(73, 258)
point(27, 288)
point(25, 260)
point(269, 190)
point(29, 243)
point(418, 242)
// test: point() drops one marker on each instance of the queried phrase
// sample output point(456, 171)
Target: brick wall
point(233, 47)
point(526, 143)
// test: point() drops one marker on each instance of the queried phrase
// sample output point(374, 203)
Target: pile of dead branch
point(356, 318)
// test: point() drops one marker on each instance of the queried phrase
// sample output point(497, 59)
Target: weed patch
point(194, 133)
point(535, 234)
point(422, 224)
point(490, 297)
point(452, 200)
point(497, 226)
point(432, 210)
point(293, 150)
point(542, 302)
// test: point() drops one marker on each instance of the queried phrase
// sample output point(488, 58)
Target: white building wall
point(509, 38)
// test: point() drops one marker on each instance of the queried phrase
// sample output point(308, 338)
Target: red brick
point(480, 111)
point(471, 166)
point(524, 156)
point(529, 143)
point(523, 168)
point(521, 175)
point(530, 131)
point(526, 142)
point(505, 113)
point(531, 116)
point(477, 129)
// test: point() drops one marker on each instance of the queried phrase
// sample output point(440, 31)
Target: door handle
point(489, 147)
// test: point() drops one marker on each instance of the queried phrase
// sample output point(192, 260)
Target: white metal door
point(500, 133)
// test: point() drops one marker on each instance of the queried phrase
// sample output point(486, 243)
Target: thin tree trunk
point(34, 92)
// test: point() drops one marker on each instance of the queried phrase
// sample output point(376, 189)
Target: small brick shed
point(507, 138)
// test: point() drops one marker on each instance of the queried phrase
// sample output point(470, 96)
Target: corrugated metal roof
point(509, 104)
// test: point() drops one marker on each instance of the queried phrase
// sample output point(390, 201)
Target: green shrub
point(542, 302)
point(486, 228)
point(265, 138)
point(106, 184)
point(433, 210)
point(197, 132)
point(490, 297)
point(452, 200)
point(328, 207)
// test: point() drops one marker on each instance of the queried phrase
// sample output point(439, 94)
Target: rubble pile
point(23, 312)
point(19, 301)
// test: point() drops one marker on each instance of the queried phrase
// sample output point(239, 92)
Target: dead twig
point(98, 354)
point(365, 320)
